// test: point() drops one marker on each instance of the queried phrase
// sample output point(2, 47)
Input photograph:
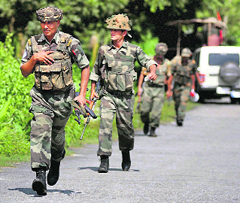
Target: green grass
point(91, 132)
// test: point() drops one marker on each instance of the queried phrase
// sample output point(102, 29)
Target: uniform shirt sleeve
point(95, 74)
point(78, 54)
point(143, 59)
point(27, 54)
point(168, 64)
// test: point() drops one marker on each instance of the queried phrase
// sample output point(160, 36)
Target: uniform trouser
point(181, 96)
point(51, 112)
point(122, 107)
point(151, 105)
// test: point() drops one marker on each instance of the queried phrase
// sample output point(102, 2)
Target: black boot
point(104, 166)
point(39, 184)
point(53, 173)
point(179, 122)
point(152, 132)
point(146, 128)
point(126, 161)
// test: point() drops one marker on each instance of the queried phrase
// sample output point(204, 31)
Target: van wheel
point(229, 72)
point(234, 100)
point(201, 98)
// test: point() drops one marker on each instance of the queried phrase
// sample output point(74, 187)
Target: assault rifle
point(85, 111)
point(92, 105)
point(88, 111)
point(80, 110)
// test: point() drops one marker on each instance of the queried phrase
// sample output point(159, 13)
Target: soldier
point(114, 66)
point(50, 56)
point(153, 91)
point(183, 72)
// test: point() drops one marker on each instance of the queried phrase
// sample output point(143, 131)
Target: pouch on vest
point(120, 81)
point(117, 79)
point(53, 77)
point(57, 76)
point(160, 72)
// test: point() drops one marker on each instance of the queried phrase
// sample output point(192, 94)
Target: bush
point(14, 103)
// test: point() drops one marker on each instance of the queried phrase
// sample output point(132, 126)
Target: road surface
point(199, 162)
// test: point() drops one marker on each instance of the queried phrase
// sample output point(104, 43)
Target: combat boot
point(104, 166)
point(152, 132)
point(53, 174)
point(39, 184)
point(146, 128)
point(179, 122)
point(126, 161)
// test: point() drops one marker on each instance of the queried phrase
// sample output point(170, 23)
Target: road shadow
point(29, 191)
point(139, 134)
point(110, 169)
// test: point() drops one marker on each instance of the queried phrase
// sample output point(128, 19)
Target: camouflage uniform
point(52, 93)
point(182, 83)
point(152, 98)
point(118, 95)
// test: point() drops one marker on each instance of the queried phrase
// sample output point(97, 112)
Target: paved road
point(199, 162)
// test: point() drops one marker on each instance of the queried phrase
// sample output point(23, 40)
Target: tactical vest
point(161, 72)
point(58, 75)
point(119, 73)
point(183, 73)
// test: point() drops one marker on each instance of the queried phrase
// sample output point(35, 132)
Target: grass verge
point(91, 132)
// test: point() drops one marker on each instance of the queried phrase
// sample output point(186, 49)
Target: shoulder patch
point(29, 42)
point(69, 42)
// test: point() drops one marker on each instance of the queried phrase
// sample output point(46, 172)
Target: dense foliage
point(14, 103)
point(85, 19)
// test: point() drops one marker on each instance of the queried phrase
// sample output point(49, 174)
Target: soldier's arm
point(140, 82)
point(169, 85)
point(152, 75)
point(78, 55)
point(194, 70)
point(147, 62)
point(84, 82)
point(27, 68)
point(193, 81)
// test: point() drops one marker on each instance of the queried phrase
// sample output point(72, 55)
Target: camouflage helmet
point(49, 14)
point(119, 22)
point(186, 52)
point(161, 48)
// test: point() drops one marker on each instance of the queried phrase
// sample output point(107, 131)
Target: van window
point(220, 59)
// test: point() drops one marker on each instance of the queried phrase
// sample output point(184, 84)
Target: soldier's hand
point(43, 56)
point(81, 100)
point(152, 76)
point(169, 93)
point(139, 92)
point(93, 95)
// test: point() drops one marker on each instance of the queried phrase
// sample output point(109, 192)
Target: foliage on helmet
point(119, 22)
point(49, 14)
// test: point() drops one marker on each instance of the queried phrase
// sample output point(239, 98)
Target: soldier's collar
point(56, 38)
point(124, 45)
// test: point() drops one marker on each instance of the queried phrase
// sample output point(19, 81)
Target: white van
point(219, 71)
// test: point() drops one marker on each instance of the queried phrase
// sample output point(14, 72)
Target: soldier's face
point(116, 35)
point(49, 29)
